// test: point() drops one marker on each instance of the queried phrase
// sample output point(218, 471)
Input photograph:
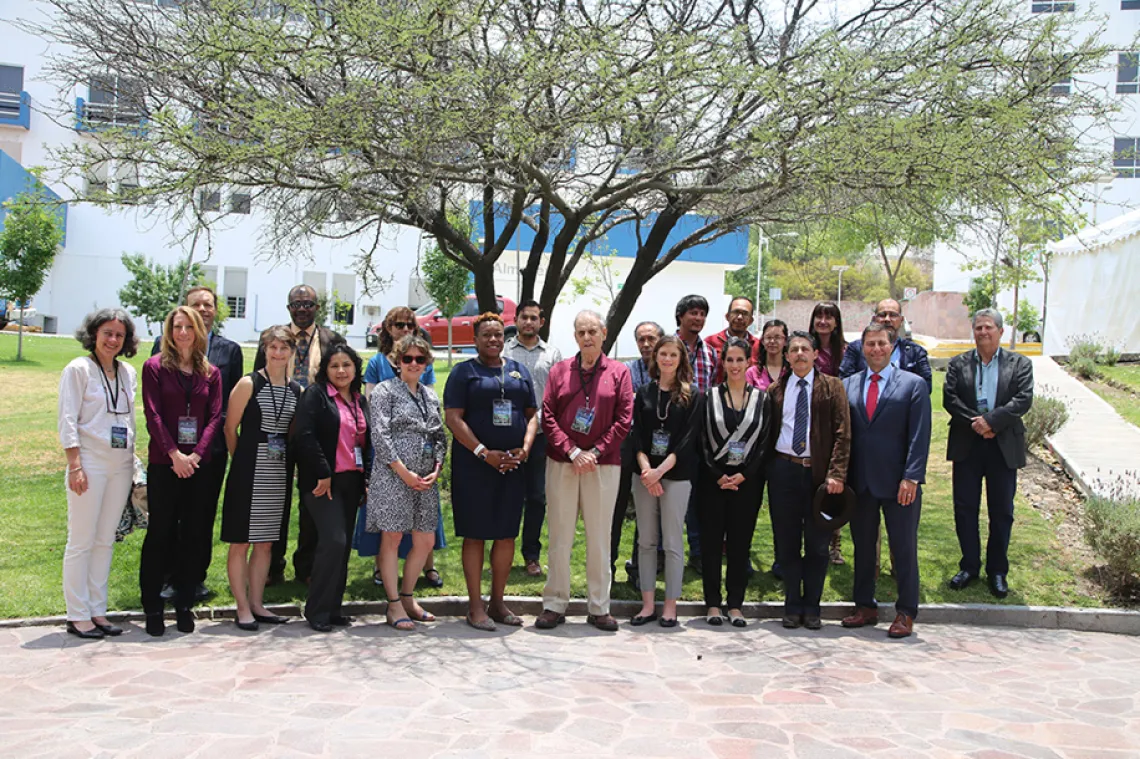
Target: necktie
point(799, 431)
point(873, 396)
point(301, 362)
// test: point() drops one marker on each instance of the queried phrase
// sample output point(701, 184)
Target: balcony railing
point(93, 117)
point(16, 109)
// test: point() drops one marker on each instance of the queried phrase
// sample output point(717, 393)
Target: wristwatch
point(481, 451)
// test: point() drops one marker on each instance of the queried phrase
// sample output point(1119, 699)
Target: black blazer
point(1014, 397)
point(315, 432)
point(226, 355)
point(325, 335)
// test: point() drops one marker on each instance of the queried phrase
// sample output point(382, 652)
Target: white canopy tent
point(1094, 287)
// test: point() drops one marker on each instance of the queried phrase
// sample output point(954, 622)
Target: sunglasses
point(303, 304)
point(421, 360)
point(404, 325)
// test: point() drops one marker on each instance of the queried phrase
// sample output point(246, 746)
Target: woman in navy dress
point(491, 412)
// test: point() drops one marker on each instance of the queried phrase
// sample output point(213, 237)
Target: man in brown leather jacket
point(810, 445)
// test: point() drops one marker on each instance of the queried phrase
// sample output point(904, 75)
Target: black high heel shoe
point(93, 634)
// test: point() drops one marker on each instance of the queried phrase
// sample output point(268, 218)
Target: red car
point(432, 322)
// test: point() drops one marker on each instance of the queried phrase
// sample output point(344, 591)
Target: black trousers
point(902, 531)
point(215, 473)
point(625, 490)
point(985, 462)
point(728, 520)
point(174, 536)
point(306, 540)
point(790, 492)
point(534, 511)
point(335, 520)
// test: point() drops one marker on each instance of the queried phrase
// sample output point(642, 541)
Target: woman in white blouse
point(97, 432)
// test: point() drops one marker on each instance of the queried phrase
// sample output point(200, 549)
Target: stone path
point(1098, 447)
point(447, 690)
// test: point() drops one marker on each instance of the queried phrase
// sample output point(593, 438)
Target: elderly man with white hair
point(587, 410)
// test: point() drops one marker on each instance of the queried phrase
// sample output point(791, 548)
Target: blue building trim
point(729, 250)
point(22, 115)
point(15, 179)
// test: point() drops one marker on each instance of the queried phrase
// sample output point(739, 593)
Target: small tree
point(154, 288)
point(447, 282)
point(31, 235)
point(979, 296)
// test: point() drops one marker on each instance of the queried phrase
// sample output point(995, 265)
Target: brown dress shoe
point(863, 616)
point(548, 620)
point(533, 568)
point(604, 622)
point(901, 627)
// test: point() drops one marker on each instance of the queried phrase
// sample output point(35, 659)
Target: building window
point(209, 200)
point(1130, 5)
point(344, 285)
point(1128, 74)
point(235, 290)
point(114, 100)
point(240, 202)
point(210, 277)
point(1126, 157)
point(1052, 7)
point(11, 90)
point(97, 183)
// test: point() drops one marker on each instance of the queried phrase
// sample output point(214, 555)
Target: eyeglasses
point(888, 314)
point(421, 360)
point(303, 304)
point(404, 325)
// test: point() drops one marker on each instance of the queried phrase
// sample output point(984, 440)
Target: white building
point(36, 115)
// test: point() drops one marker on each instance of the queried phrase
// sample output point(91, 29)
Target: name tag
point(187, 430)
point(660, 446)
point(501, 412)
point(735, 453)
point(429, 449)
point(275, 447)
point(983, 405)
point(358, 456)
point(118, 437)
point(583, 420)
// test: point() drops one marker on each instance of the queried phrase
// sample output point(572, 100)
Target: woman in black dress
point(260, 482)
point(490, 409)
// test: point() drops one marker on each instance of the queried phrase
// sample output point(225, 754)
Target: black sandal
point(436, 582)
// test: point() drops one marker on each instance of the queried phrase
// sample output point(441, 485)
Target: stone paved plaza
point(448, 690)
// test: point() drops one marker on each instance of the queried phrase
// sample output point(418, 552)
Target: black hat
point(831, 512)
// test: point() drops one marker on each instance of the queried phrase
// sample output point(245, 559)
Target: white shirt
point(788, 424)
point(85, 420)
point(537, 361)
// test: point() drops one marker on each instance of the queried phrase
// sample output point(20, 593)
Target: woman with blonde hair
point(260, 483)
point(182, 397)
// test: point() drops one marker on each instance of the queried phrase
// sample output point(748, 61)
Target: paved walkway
point(447, 690)
point(1098, 447)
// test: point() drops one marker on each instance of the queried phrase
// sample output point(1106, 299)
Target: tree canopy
point(339, 116)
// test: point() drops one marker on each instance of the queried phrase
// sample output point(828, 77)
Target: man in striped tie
point(810, 444)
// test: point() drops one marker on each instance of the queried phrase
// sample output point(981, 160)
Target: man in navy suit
point(890, 442)
point(987, 392)
point(906, 354)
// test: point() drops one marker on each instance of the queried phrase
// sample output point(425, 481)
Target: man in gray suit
point(987, 392)
point(890, 442)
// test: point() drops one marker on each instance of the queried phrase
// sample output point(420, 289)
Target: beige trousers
point(568, 494)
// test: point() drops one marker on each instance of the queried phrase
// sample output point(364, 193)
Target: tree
point(155, 288)
point(979, 296)
point(447, 282)
point(29, 239)
point(573, 118)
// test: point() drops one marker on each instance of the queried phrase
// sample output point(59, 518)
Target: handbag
point(136, 513)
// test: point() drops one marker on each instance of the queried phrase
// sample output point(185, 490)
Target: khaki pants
point(567, 494)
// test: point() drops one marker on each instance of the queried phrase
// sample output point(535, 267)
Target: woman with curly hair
point(97, 432)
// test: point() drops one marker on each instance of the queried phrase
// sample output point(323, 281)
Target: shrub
point(1110, 356)
point(1084, 347)
point(1112, 529)
point(1046, 416)
point(1083, 367)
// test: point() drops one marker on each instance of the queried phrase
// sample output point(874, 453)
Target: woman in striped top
point(733, 433)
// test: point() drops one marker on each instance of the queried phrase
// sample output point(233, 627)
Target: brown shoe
point(901, 627)
point(836, 552)
point(533, 568)
point(863, 616)
point(604, 622)
point(548, 620)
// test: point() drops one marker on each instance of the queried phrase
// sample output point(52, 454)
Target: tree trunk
point(485, 286)
point(20, 335)
point(1044, 296)
point(449, 341)
point(1013, 332)
point(530, 271)
point(641, 272)
point(552, 282)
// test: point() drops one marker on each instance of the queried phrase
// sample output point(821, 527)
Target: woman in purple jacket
point(182, 396)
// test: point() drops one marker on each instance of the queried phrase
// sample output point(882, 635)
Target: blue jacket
point(895, 444)
point(912, 359)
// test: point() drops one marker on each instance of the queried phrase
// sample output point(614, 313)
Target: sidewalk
point(1097, 446)
point(693, 691)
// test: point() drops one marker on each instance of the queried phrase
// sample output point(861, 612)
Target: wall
point(1094, 293)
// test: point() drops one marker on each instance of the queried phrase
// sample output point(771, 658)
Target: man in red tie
point(890, 441)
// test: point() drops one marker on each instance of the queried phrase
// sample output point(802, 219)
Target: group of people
point(692, 431)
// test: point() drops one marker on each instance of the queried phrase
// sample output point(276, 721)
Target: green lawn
point(33, 521)
point(1126, 402)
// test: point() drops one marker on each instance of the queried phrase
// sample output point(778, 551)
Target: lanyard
point(273, 400)
point(657, 408)
point(112, 400)
point(421, 407)
point(731, 405)
point(593, 374)
point(355, 417)
point(502, 378)
point(187, 386)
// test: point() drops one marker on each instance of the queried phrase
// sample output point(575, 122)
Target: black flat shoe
point(93, 634)
point(321, 627)
point(184, 620)
point(962, 580)
point(109, 629)
point(738, 621)
point(812, 623)
point(792, 621)
point(248, 626)
point(640, 619)
point(340, 620)
point(155, 624)
point(998, 586)
point(270, 619)
point(667, 621)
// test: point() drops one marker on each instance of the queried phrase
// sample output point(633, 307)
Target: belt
point(802, 461)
